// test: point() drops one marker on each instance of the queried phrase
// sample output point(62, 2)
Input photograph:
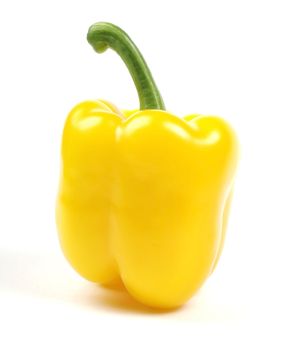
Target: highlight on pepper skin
point(144, 195)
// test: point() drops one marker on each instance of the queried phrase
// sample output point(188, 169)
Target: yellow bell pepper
point(144, 195)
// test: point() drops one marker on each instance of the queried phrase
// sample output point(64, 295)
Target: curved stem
point(102, 36)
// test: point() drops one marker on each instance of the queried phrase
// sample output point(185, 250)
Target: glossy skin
point(145, 197)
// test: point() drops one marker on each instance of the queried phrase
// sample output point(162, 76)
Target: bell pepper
point(144, 195)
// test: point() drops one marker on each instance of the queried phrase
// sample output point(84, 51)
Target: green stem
point(104, 35)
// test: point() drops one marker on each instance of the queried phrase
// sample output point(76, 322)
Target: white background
point(210, 57)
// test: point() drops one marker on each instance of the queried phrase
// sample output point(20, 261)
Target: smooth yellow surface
point(145, 196)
